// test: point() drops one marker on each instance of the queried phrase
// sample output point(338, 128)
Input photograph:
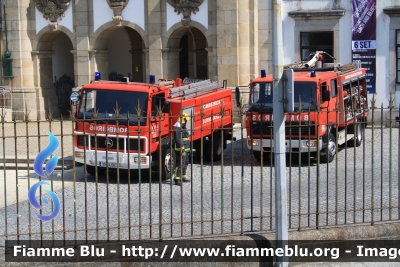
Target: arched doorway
point(191, 44)
point(123, 48)
point(56, 73)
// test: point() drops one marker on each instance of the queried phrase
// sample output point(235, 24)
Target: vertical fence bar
point(355, 133)
point(398, 169)
point(390, 157)
point(212, 171)
point(5, 177)
point(117, 118)
point(373, 163)
point(382, 128)
point(318, 168)
point(232, 163)
point(222, 165)
point(201, 167)
point(171, 136)
point(28, 175)
point(16, 176)
point(161, 165)
point(337, 172)
point(242, 187)
point(139, 117)
point(364, 163)
point(62, 174)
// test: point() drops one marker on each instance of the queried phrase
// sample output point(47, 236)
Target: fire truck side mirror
point(74, 97)
point(166, 108)
point(326, 95)
point(237, 96)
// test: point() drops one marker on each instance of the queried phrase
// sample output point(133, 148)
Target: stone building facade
point(57, 45)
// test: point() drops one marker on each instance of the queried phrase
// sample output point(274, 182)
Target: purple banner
point(363, 43)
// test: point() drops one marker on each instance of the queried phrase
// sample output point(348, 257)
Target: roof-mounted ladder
point(192, 90)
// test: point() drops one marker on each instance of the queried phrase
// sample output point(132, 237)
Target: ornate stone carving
point(117, 7)
point(186, 7)
point(52, 10)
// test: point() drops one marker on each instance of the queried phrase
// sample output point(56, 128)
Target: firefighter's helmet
point(184, 117)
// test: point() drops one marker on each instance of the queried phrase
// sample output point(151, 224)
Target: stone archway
point(187, 48)
point(54, 74)
point(118, 52)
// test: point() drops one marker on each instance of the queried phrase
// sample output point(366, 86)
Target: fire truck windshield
point(105, 103)
point(261, 98)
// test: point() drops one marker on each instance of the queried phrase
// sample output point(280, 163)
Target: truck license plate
point(110, 164)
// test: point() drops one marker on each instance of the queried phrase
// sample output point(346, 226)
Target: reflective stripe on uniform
point(185, 139)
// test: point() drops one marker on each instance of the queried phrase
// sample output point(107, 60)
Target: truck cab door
point(159, 119)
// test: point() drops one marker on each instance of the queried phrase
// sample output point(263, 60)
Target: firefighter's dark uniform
point(182, 150)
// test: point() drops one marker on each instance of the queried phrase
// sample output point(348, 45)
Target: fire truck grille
point(111, 143)
point(291, 129)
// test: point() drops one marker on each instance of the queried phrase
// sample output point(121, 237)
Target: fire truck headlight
point(311, 143)
point(143, 160)
point(252, 142)
point(79, 154)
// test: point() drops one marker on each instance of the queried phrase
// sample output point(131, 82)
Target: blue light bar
point(263, 74)
point(312, 73)
point(152, 79)
point(97, 76)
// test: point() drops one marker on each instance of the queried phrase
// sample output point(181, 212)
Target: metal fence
point(234, 195)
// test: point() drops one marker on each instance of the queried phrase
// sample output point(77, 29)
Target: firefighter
point(182, 149)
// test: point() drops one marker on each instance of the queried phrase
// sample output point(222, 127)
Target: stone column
point(243, 40)
point(171, 57)
point(99, 63)
point(154, 26)
point(211, 64)
point(82, 33)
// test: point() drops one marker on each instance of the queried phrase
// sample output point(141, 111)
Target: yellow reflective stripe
point(187, 149)
point(185, 139)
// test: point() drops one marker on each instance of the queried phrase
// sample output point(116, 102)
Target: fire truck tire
point(358, 136)
point(92, 170)
point(328, 153)
point(168, 163)
point(218, 146)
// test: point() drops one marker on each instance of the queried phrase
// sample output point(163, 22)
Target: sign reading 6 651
point(49, 168)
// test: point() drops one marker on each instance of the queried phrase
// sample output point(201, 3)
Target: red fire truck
point(330, 109)
point(129, 125)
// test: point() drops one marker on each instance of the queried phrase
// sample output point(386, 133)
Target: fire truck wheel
point(168, 163)
point(359, 135)
point(92, 170)
point(328, 153)
point(218, 146)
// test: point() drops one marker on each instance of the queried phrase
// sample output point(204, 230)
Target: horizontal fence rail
point(231, 190)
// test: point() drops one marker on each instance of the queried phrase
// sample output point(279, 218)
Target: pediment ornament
point(186, 7)
point(117, 7)
point(52, 10)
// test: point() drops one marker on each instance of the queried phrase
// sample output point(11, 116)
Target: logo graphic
point(50, 166)
point(109, 143)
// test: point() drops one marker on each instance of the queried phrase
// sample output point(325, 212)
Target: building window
point(316, 41)
point(397, 56)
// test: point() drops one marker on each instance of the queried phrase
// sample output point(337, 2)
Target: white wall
point(200, 17)
point(65, 21)
point(133, 12)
